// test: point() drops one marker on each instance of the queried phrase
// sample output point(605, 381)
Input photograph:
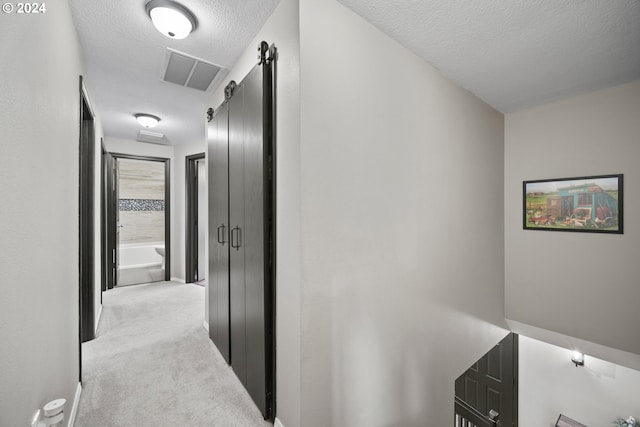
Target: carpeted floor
point(153, 364)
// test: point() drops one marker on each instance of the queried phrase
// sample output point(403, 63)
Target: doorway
point(86, 218)
point(486, 395)
point(196, 218)
point(138, 220)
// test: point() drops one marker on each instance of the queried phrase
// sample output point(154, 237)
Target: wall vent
point(152, 137)
point(186, 70)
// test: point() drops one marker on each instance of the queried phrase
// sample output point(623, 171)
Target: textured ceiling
point(514, 54)
point(124, 56)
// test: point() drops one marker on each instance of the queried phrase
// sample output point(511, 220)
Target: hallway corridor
point(153, 364)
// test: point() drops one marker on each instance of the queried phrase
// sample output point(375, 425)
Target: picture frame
point(564, 421)
point(587, 204)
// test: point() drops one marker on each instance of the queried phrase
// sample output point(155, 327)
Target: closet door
point(251, 245)
point(256, 240)
point(219, 231)
point(238, 238)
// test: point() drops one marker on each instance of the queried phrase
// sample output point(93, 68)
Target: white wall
point(39, 123)
point(402, 228)
point(136, 148)
point(282, 30)
point(577, 284)
point(549, 384)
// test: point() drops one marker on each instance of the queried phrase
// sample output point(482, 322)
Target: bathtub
point(140, 263)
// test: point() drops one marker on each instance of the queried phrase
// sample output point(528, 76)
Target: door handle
point(235, 238)
point(221, 227)
point(493, 417)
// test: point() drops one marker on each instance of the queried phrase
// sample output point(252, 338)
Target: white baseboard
point(206, 325)
point(177, 279)
point(74, 408)
point(278, 423)
point(98, 318)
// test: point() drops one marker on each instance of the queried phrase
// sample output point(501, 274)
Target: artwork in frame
point(590, 204)
point(564, 421)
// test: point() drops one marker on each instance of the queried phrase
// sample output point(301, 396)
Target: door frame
point(86, 216)
point(103, 220)
point(86, 229)
point(191, 216)
point(112, 206)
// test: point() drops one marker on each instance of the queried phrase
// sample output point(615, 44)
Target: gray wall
point(402, 228)
point(577, 284)
point(282, 29)
point(39, 114)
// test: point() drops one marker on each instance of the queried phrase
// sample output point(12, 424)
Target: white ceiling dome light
point(171, 19)
point(147, 120)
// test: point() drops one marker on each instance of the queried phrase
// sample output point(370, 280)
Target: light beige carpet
point(153, 364)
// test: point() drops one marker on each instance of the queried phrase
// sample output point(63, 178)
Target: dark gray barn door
point(238, 234)
point(218, 132)
point(255, 240)
point(250, 224)
point(486, 394)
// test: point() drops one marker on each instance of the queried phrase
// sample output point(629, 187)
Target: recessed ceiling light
point(147, 120)
point(171, 19)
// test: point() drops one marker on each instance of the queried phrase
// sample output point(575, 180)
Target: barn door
point(218, 142)
point(249, 274)
point(487, 393)
point(242, 207)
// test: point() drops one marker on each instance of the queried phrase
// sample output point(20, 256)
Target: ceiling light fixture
point(147, 120)
point(171, 19)
point(577, 358)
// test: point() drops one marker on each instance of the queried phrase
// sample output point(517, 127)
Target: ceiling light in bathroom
point(171, 19)
point(147, 120)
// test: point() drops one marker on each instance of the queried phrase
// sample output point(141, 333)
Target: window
point(585, 199)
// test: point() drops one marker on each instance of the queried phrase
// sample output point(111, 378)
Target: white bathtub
point(134, 255)
point(140, 263)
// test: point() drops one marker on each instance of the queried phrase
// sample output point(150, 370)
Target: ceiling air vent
point(152, 137)
point(185, 70)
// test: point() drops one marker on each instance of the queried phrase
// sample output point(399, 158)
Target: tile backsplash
point(141, 205)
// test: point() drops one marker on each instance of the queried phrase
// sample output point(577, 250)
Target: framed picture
point(590, 204)
point(564, 421)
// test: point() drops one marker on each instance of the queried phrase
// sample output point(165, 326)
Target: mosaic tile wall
point(141, 205)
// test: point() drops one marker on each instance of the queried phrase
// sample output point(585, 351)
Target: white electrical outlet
point(35, 418)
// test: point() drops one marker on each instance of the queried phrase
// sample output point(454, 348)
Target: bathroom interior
point(141, 221)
